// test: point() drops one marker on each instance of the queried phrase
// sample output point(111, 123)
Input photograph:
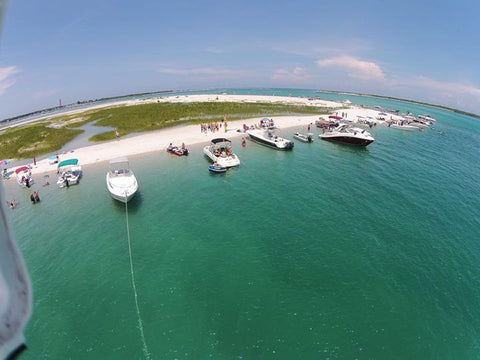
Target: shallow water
point(327, 251)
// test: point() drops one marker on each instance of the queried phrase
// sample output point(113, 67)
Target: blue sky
point(80, 50)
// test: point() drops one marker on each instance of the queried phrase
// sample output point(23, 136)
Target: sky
point(80, 50)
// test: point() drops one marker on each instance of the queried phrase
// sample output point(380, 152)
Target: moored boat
point(220, 151)
point(304, 138)
point(216, 169)
point(347, 134)
point(24, 176)
point(268, 138)
point(70, 173)
point(401, 126)
point(427, 118)
point(177, 150)
point(121, 181)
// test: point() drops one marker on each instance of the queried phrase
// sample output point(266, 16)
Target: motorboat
point(24, 176)
point(427, 118)
point(325, 124)
point(348, 134)
point(70, 172)
point(121, 181)
point(402, 126)
point(420, 124)
point(177, 150)
point(304, 138)
point(216, 169)
point(220, 152)
point(268, 138)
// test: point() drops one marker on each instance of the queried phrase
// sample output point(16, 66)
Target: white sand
point(191, 134)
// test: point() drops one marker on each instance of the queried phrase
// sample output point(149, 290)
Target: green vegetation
point(41, 138)
point(33, 140)
point(147, 117)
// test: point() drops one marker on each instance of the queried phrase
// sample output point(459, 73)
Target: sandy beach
point(191, 134)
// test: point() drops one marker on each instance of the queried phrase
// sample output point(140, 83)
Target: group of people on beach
point(213, 127)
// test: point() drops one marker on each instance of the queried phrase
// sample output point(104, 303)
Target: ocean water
point(325, 252)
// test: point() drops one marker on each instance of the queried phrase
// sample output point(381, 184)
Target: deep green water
point(325, 252)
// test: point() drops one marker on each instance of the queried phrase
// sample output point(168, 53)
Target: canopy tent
point(22, 169)
point(68, 162)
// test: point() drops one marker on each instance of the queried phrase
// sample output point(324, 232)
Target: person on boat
point(183, 146)
point(27, 182)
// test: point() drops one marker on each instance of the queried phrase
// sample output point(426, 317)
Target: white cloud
point(204, 71)
point(453, 94)
point(358, 69)
point(6, 80)
point(297, 75)
point(447, 88)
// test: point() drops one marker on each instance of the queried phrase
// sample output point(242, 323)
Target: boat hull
point(303, 138)
point(284, 146)
point(122, 193)
point(217, 169)
point(347, 140)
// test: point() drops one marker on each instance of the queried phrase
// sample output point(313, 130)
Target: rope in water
point(140, 323)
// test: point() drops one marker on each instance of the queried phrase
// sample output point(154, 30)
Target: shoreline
point(158, 140)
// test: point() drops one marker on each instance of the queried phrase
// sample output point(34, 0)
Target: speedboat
point(427, 118)
point(305, 138)
point(268, 138)
point(24, 176)
point(176, 150)
point(348, 134)
point(121, 181)
point(220, 152)
point(216, 169)
point(70, 172)
point(401, 126)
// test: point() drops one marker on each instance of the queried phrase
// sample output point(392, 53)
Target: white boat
point(268, 138)
point(70, 172)
point(420, 124)
point(304, 138)
point(121, 181)
point(221, 153)
point(400, 126)
point(427, 118)
point(347, 134)
point(24, 176)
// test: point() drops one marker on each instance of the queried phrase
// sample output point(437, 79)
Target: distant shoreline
point(111, 98)
point(458, 111)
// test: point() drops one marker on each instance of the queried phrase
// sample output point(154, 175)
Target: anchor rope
point(140, 323)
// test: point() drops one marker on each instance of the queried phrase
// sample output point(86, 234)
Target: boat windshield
point(120, 172)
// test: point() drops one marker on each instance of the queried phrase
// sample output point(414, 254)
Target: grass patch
point(33, 140)
point(147, 117)
point(38, 139)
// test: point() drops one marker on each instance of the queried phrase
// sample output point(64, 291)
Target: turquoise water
point(327, 251)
